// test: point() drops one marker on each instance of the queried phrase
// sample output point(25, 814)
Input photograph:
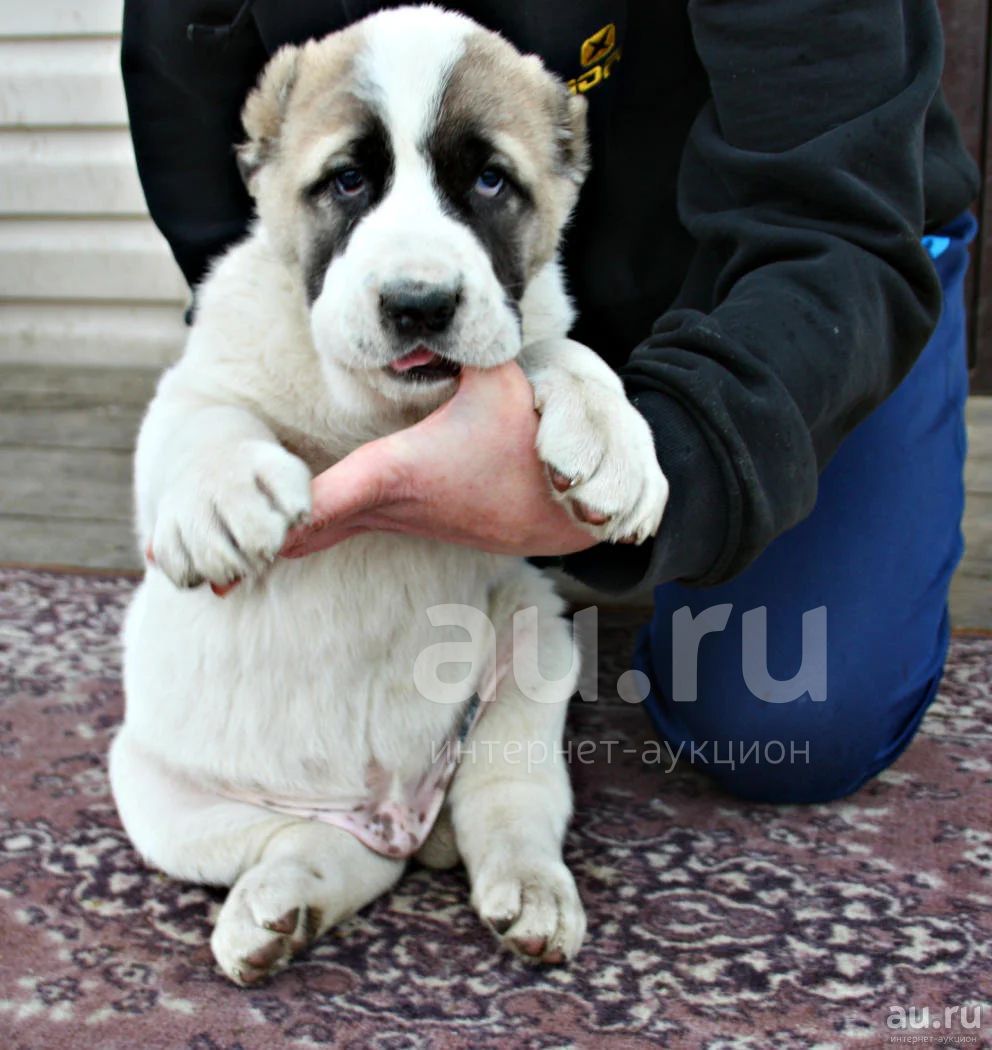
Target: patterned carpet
point(711, 923)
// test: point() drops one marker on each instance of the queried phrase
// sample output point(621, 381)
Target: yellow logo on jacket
point(598, 55)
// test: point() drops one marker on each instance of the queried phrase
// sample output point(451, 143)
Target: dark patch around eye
point(459, 153)
point(334, 218)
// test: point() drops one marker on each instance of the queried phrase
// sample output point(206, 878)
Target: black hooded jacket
point(746, 251)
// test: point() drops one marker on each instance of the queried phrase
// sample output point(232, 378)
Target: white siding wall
point(84, 275)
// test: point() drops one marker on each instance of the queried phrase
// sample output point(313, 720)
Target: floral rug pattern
point(712, 923)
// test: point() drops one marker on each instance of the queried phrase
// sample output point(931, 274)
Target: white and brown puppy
point(412, 176)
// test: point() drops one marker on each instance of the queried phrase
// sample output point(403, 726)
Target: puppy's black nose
point(415, 308)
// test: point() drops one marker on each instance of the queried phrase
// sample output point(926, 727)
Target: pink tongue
point(414, 359)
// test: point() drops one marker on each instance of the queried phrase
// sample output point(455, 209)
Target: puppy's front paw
point(599, 452)
point(267, 918)
point(227, 518)
point(533, 908)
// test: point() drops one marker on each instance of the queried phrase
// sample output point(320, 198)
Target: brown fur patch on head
point(264, 109)
point(304, 94)
point(515, 95)
point(325, 97)
point(513, 99)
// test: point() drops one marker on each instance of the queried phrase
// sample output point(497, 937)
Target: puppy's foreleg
point(216, 493)
point(510, 804)
point(598, 448)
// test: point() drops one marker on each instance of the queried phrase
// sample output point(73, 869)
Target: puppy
point(412, 176)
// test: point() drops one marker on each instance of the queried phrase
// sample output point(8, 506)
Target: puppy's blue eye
point(349, 182)
point(490, 183)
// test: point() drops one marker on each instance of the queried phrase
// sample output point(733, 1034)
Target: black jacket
point(746, 251)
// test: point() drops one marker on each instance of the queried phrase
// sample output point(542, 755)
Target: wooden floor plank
point(978, 476)
point(47, 387)
point(971, 600)
point(66, 483)
point(63, 541)
point(977, 527)
point(980, 412)
point(97, 427)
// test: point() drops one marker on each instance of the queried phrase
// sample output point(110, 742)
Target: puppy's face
point(417, 171)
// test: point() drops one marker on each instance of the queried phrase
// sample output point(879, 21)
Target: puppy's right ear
point(264, 110)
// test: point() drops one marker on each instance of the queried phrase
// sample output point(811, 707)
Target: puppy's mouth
point(422, 365)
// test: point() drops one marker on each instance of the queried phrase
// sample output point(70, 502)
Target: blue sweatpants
point(870, 567)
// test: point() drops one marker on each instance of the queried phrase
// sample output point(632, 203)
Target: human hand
point(467, 474)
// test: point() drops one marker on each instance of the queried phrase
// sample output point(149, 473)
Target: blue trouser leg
point(877, 553)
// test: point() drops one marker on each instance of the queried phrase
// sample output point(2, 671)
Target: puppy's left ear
point(568, 118)
point(263, 112)
point(571, 134)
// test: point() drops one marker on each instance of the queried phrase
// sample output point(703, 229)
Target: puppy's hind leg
point(510, 802)
point(309, 878)
point(292, 879)
point(184, 830)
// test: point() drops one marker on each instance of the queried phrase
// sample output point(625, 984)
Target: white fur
point(302, 675)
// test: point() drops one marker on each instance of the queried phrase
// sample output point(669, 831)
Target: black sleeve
point(809, 295)
point(185, 88)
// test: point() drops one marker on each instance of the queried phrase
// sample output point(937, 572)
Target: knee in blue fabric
point(784, 723)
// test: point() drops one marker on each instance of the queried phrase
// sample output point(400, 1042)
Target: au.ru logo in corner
point(598, 55)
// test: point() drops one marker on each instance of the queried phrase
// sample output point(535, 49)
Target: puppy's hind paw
point(533, 908)
point(265, 921)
